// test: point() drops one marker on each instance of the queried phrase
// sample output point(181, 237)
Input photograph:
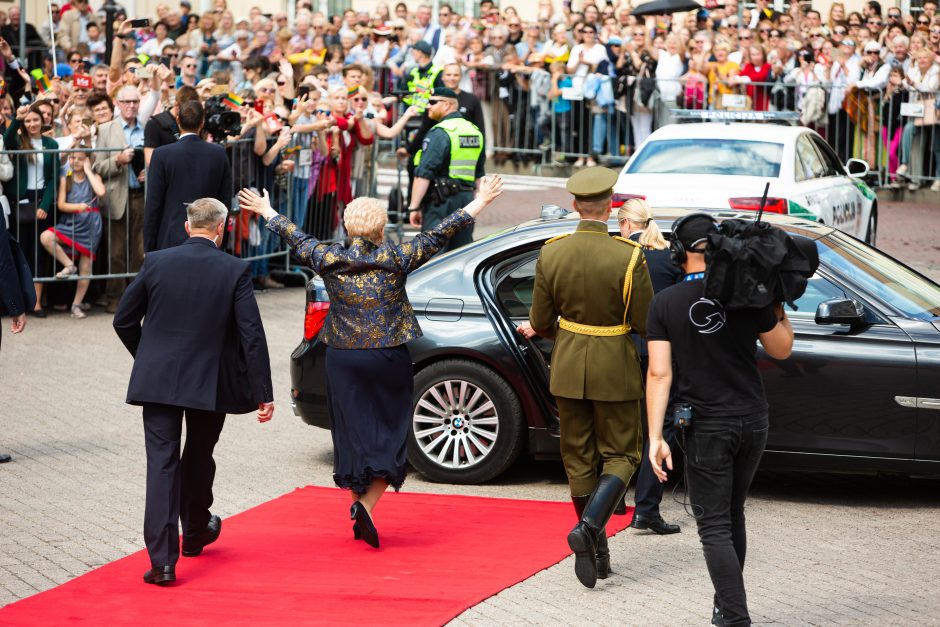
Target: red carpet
point(293, 561)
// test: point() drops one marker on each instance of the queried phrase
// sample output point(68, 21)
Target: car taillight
point(618, 199)
point(313, 320)
point(773, 205)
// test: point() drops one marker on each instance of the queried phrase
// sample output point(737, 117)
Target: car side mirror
point(840, 311)
point(856, 168)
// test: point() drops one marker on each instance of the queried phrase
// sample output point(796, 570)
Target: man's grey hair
point(205, 213)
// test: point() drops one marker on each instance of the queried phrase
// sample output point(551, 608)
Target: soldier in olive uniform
point(591, 291)
point(448, 167)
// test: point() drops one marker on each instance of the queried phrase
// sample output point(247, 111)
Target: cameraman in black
point(708, 357)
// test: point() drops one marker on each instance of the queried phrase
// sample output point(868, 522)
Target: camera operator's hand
point(125, 156)
point(659, 452)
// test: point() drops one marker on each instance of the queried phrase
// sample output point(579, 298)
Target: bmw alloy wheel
point(455, 424)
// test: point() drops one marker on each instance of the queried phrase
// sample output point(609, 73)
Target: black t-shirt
point(470, 108)
point(161, 130)
point(713, 350)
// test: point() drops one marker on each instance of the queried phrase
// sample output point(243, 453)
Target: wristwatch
point(413, 209)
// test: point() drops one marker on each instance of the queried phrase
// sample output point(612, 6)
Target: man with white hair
point(123, 172)
point(191, 322)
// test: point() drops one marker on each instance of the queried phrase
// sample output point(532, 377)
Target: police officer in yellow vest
point(447, 168)
point(591, 291)
point(423, 78)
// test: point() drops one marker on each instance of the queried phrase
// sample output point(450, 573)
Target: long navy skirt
point(370, 394)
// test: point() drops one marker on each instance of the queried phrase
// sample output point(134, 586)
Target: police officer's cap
point(445, 92)
point(592, 184)
point(425, 47)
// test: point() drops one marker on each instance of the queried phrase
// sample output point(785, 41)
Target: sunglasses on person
point(434, 101)
point(281, 83)
point(935, 30)
point(923, 22)
point(266, 90)
point(358, 99)
point(75, 60)
point(894, 16)
point(322, 111)
point(764, 31)
point(875, 22)
point(873, 52)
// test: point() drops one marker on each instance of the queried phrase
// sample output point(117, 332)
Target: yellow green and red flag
point(41, 81)
point(232, 101)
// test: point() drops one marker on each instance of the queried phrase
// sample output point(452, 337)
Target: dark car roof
point(546, 228)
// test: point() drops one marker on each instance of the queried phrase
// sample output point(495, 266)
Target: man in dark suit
point(11, 292)
point(201, 352)
point(179, 174)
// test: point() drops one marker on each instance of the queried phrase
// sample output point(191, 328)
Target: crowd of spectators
point(583, 82)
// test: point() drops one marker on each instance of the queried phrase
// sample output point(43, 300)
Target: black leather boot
point(603, 556)
point(583, 539)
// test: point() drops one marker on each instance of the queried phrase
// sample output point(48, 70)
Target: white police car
point(726, 166)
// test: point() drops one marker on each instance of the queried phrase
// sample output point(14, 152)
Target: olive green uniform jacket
point(580, 277)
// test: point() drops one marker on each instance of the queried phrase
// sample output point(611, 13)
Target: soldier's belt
point(589, 329)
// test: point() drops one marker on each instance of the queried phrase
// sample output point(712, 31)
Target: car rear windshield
point(729, 157)
point(892, 282)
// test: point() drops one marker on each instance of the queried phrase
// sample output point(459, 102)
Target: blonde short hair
point(365, 217)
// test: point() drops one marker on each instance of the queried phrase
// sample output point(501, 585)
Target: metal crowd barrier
point(606, 118)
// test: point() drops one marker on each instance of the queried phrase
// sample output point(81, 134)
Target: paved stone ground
point(823, 549)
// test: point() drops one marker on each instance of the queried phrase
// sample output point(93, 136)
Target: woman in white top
point(154, 47)
point(923, 81)
point(584, 59)
point(670, 66)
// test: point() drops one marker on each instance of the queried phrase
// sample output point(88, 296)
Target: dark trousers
point(177, 489)
point(126, 242)
point(649, 491)
point(722, 455)
point(598, 433)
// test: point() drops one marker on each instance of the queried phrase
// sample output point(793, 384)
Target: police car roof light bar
point(723, 115)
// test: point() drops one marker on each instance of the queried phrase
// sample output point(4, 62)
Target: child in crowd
point(78, 232)
point(561, 107)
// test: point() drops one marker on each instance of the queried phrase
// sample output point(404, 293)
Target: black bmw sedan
point(860, 392)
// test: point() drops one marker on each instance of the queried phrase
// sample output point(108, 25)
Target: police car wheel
point(467, 426)
point(871, 231)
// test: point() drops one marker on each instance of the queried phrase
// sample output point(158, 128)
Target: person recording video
point(707, 355)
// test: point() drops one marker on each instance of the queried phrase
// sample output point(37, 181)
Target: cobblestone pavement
point(823, 549)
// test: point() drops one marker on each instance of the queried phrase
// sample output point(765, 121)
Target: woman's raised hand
point(490, 188)
point(249, 200)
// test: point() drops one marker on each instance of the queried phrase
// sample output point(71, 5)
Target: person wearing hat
point(703, 357)
point(424, 78)
point(447, 168)
point(591, 291)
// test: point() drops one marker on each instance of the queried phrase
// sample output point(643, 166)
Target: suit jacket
point(116, 176)
point(201, 344)
point(580, 277)
point(179, 174)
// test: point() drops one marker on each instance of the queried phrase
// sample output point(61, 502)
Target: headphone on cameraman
point(677, 251)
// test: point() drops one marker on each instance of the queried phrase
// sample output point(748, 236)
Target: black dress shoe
point(367, 529)
point(192, 548)
point(160, 576)
point(718, 618)
point(38, 313)
point(4, 458)
point(657, 525)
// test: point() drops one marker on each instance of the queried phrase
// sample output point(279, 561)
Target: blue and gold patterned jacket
point(369, 307)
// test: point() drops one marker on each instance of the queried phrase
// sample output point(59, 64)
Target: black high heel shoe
point(367, 529)
point(356, 534)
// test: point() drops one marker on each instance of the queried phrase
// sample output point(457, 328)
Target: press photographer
point(706, 353)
